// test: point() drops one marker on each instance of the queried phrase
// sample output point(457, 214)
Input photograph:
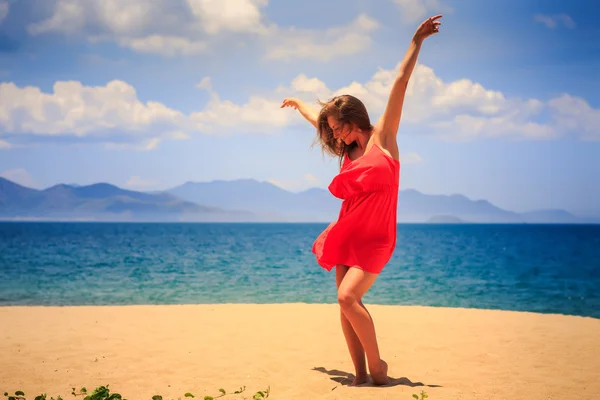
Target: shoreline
point(297, 350)
point(280, 222)
point(283, 304)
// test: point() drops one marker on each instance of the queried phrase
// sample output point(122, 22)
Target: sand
point(297, 350)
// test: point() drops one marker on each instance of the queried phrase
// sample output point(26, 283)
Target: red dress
point(364, 235)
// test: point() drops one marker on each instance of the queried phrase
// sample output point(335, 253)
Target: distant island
point(445, 219)
point(243, 200)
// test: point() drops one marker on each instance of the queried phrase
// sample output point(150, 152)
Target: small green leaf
point(19, 393)
point(188, 394)
point(209, 398)
point(157, 397)
point(222, 391)
point(415, 396)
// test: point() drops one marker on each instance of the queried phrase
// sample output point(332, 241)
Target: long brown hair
point(348, 110)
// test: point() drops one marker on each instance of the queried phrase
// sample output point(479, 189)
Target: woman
point(362, 240)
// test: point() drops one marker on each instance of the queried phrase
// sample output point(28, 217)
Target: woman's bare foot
point(359, 380)
point(379, 375)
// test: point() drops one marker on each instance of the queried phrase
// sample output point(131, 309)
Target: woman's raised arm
point(307, 112)
point(388, 124)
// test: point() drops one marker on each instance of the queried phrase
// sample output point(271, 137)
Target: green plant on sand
point(103, 393)
point(424, 395)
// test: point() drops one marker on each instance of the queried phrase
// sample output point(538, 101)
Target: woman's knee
point(346, 298)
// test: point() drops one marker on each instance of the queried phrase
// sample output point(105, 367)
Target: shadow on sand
point(345, 378)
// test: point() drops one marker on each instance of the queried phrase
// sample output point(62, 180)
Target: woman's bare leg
point(357, 353)
point(355, 283)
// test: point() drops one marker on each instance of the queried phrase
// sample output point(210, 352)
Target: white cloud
point(104, 17)
point(176, 135)
point(205, 84)
point(459, 110)
point(288, 44)
point(302, 83)
point(166, 45)
point(190, 27)
point(137, 182)
point(575, 114)
point(152, 144)
point(138, 17)
point(553, 21)
point(105, 112)
point(143, 26)
point(3, 10)
point(166, 27)
point(68, 18)
point(259, 114)
point(20, 176)
point(76, 110)
point(468, 127)
point(466, 94)
point(4, 145)
point(413, 11)
point(229, 15)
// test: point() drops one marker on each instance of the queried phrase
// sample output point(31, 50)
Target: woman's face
point(344, 132)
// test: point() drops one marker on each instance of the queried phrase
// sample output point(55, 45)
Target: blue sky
point(504, 104)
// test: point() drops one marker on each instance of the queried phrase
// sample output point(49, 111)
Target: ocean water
point(540, 268)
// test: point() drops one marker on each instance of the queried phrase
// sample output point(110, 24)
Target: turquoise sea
point(540, 268)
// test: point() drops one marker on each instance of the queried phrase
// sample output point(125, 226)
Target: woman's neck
point(363, 140)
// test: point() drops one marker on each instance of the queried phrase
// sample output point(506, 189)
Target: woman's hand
point(429, 27)
point(291, 102)
point(307, 112)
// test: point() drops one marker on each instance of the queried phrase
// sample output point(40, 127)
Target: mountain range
point(244, 200)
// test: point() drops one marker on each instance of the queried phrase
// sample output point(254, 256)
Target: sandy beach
point(296, 350)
